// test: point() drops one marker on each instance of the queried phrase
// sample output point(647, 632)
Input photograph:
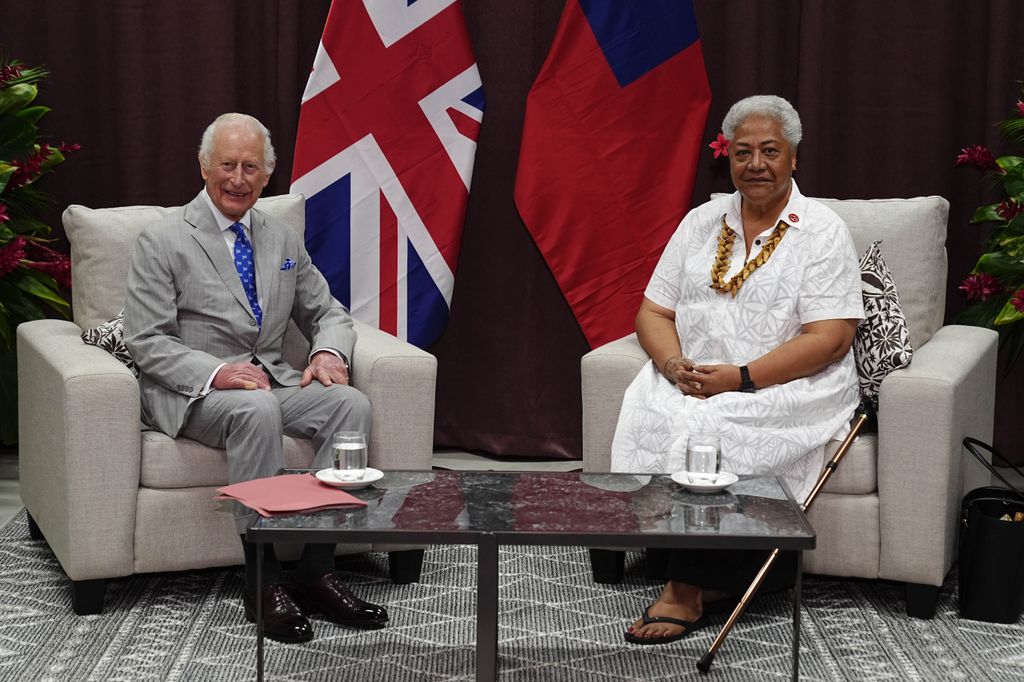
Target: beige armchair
point(113, 499)
point(891, 510)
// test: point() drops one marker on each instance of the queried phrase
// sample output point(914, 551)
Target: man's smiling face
point(237, 173)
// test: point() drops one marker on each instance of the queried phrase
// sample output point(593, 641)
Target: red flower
point(30, 167)
point(59, 268)
point(1009, 209)
point(720, 145)
point(1020, 108)
point(978, 156)
point(11, 255)
point(53, 263)
point(69, 149)
point(3, 213)
point(980, 286)
point(10, 72)
point(1018, 300)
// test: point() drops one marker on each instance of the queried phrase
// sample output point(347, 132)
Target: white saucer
point(327, 476)
point(724, 480)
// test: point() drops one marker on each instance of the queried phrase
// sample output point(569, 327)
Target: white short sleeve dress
point(812, 275)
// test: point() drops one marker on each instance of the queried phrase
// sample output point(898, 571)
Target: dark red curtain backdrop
point(888, 91)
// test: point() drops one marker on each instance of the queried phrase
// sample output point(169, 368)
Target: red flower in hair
point(720, 145)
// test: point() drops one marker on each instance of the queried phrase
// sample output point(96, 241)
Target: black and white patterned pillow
point(882, 343)
point(110, 337)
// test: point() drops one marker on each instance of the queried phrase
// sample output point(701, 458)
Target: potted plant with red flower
point(32, 273)
point(995, 287)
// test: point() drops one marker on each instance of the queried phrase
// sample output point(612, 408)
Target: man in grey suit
point(211, 289)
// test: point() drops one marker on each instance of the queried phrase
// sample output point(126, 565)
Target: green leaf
point(32, 282)
point(5, 329)
point(1008, 162)
point(1013, 182)
point(33, 114)
point(17, 137)
point(5, 234)
point(999, 264)
point(986, 214)
point(20, 307)
point(1013, 129)
point(1014, 246)
point(30, 226)
point(52, 161)
point(28, 199)
point(14, 97)
point(982, 314)
point(1008, 315)
point(6, 171)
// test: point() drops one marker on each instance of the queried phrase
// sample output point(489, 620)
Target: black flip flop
point(687, 625)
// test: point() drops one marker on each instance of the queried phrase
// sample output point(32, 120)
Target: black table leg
point(259, 611)
point(487, 609)
point(796, 614)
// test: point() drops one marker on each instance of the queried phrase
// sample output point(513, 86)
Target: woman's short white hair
point(245, 121)
point(772, 107)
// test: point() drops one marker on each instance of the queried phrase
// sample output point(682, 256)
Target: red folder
point(287, 493)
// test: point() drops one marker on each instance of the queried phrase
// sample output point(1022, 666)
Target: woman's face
point(761, 162)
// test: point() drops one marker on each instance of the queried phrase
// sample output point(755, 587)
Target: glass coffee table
point(490, 509)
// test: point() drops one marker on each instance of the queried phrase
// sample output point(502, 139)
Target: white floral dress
point(812, 275)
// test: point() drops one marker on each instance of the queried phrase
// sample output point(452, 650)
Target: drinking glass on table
point(702, 456)
point(349, 450)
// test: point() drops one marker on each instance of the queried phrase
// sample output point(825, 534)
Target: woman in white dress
point(749, 319)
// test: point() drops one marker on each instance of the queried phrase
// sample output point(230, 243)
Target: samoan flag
point(609, 154)
point(384, 156)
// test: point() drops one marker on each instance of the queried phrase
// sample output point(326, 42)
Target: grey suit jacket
point(186, 311)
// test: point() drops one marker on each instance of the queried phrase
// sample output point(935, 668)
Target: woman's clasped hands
point(701, 381)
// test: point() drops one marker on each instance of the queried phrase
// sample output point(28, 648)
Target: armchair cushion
point(102, 239)
point(882, 343)
point(109, 336)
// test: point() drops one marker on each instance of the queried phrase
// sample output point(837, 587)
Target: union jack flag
point(384, 156)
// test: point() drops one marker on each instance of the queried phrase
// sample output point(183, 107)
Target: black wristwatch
point(746, 385)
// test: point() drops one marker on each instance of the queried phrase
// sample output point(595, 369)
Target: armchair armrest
point(606, 373)
point(925, 410)
point(80, 448)
point(399, 380)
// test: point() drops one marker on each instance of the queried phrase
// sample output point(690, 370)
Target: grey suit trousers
point(249, 426)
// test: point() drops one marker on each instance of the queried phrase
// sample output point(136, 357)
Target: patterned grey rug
point(556, 624)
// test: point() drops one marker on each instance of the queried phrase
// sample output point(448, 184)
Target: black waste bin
point(991, 559)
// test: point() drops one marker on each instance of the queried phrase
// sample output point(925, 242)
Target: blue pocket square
point(288, 264)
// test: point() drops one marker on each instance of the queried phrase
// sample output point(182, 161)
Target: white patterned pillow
point(882, 343)
point(110, 337)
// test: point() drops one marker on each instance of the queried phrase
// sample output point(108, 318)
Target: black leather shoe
point(327, 595)
point(283, 620)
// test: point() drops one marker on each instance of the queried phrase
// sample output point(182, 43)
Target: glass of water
point(702, 456)
point(349, 450)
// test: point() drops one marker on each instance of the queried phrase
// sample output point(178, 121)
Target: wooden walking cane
point(862, 417)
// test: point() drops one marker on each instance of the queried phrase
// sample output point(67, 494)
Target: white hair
point(245, 121)
point(771, 107)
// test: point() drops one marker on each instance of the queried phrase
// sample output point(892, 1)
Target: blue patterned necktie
point(246, 270)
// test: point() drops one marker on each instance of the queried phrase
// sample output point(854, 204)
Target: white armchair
point(113, 499)
point(891, 509)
